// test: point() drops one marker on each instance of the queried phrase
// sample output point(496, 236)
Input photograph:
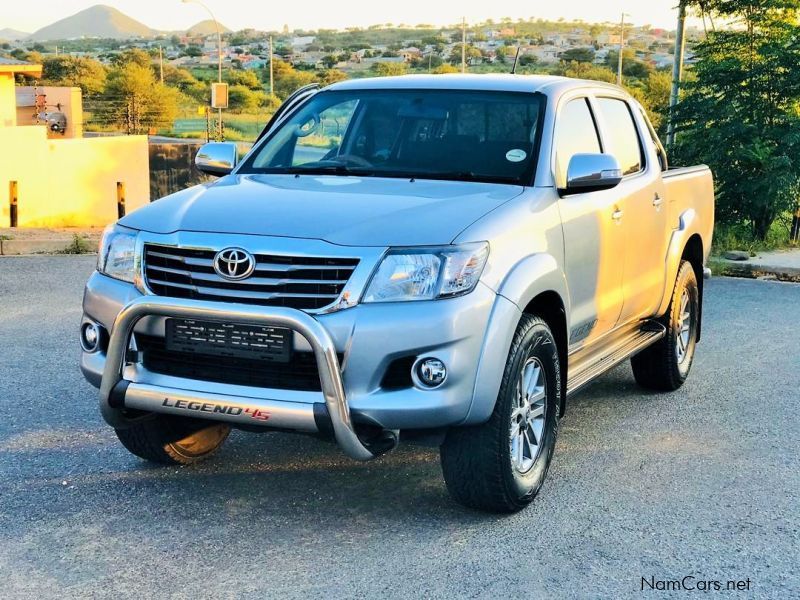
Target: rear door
point(641, 200)
point(593, 242)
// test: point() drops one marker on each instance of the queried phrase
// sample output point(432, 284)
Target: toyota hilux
point(440, 259)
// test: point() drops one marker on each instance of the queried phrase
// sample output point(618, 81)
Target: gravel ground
point(703, 482)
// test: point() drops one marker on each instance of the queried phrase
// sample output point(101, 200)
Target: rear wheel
point(500, 465)
point(665, 365)
point(173, 440)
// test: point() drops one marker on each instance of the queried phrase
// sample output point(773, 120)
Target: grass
point(79, 245)
point(739, 237)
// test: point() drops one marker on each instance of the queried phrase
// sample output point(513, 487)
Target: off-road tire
point(173, 440)
point(658, 367)
point(477, 462)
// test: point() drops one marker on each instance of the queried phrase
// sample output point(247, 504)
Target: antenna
point(516, 58)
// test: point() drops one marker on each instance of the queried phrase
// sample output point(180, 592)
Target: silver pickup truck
point(443, 259)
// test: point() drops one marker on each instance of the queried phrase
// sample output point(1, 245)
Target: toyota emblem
point(234, 263)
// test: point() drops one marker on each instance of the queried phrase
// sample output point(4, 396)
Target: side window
point(321, 135)
point(623, 139)
point(575, 134)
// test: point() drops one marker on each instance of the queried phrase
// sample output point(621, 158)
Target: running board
point(586, 365)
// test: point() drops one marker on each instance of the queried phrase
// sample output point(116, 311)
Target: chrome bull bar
point(215, 406)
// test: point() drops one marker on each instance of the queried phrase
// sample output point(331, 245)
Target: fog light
point(90, 337)
point(430, 372)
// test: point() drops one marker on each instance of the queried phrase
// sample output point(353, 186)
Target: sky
point(315, 14)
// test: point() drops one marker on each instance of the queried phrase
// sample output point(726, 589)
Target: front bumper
point(368, 336)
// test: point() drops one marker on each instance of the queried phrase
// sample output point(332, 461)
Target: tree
point(445, 68)
point(581, 55)
point(740, 115)
point(330, 60)
point(287, 79)
point(137, 101)
point(248, 79)
point(587, 71)
point(72, 71)
point(243, 99)
point(383, 69)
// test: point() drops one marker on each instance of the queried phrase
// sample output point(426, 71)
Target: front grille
point(294, 281)
point(300, 373)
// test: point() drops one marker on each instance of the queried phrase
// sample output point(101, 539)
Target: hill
point(204, 28)
point(97, 21)
point(12, 35)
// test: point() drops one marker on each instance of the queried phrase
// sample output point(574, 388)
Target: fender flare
point(688, 226)
point(533, 275)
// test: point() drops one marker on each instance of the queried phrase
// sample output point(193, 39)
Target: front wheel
point(173, 440)
point(500, 466)
point(665, 365)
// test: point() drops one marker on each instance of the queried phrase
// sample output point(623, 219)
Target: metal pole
point(13, 199)
point(219, 54)
point(677, 71)
point(271, 86)
point(463, 44)
point(161, 63)
point(621, 46)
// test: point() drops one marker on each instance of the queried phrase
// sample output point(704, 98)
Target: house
point(63, 180)
point(409, 54)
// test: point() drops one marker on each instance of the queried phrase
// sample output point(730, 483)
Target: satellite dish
point(56, 122)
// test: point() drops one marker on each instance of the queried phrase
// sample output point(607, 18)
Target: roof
point(12, 65)
point(459, 81)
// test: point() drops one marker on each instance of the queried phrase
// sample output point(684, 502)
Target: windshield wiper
point(321, 170)
point(470, 176)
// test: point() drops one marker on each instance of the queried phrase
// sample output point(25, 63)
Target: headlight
point(427, 273)
point(117, 255)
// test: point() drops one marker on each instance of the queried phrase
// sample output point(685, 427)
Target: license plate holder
point(254, 342)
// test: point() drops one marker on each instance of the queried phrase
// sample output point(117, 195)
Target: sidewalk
point(63, 240)
point(783, 265)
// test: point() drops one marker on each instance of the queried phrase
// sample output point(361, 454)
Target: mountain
point(12, 35)
point(97, 21)
point(204, 28)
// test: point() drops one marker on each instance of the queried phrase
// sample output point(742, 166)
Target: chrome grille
point(294, 281)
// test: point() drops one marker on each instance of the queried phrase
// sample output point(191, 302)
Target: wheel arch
point(693, 252)
point(535, 283)
point(549, 306)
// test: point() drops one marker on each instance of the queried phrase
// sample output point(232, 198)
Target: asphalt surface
point(703, 482)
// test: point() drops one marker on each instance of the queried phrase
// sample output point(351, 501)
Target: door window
point(576, 134)
point(621, 135)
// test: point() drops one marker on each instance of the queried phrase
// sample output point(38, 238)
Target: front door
point(593, 240)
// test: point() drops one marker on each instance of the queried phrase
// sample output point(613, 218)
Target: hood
point(349, 211)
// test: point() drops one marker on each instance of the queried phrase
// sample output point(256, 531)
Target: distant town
point(263, 67)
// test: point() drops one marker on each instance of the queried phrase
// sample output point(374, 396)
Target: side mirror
point(216, 158)
point(592, 173)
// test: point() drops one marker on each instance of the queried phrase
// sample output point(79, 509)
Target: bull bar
point(117, 393)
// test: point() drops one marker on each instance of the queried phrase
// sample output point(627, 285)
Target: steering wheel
point(349, 159)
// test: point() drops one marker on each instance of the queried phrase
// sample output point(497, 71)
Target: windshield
point(425, 134)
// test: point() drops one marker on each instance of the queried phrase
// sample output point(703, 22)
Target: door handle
point(617, 214)
point(657, 201)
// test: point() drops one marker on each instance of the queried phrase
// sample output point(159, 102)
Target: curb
point(17, 247)
point(755, 270)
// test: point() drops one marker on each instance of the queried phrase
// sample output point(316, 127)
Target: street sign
point(219, 95)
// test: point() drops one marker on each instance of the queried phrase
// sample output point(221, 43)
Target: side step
point(586, 365)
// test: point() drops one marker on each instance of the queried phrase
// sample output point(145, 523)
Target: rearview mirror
point(591, 173)
point(216, 158)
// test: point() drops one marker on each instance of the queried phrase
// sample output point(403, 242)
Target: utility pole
point(219, 53)
point(271, 85)
point(677, 71)
point(463, 44)
point(161, 63)
point(621, 46)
